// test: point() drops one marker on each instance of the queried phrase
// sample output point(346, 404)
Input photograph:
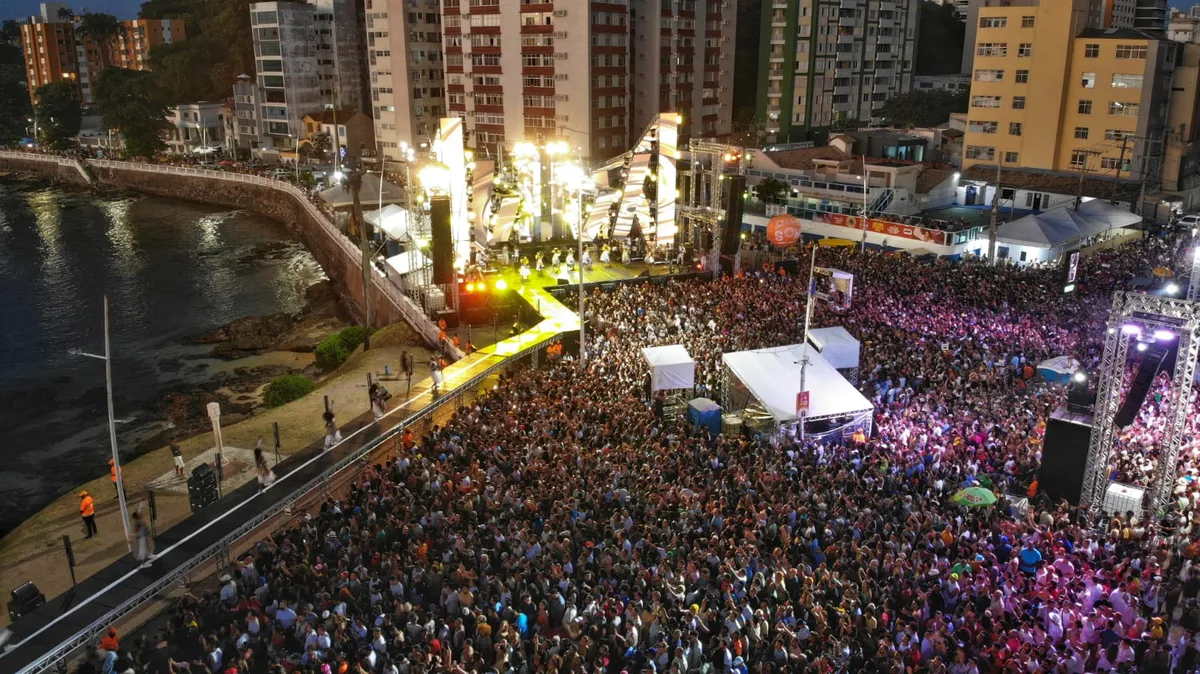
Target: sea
point(171, 270)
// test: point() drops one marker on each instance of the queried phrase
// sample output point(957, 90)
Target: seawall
point(273, 199)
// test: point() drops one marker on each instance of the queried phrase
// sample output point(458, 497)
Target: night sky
point(122, 9)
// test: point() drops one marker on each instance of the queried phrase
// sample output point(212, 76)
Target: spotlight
point(501, 284)
point(1079, 377)
point(1142, 346)
point(1163, 335)
point(1131, 330)
point(1171, 289)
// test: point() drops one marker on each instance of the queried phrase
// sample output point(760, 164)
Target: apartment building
point(826, 62)
point(54, 52)
point(313, 48)
point(683, 62)
point(1050, 93)
point(407, 73)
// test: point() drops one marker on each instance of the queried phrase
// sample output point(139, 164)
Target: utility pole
point(355, 184)
point(807, 318)
point(992, 226)
point(1120, 162)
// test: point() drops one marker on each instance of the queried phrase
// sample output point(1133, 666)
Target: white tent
point(1065, 225)
point(773, 377)
point(839, 348)
point(670, 367)
point(392, 220)
point(1037, 231)
point(1104, 216)
point(339, 197)
point(408, 262)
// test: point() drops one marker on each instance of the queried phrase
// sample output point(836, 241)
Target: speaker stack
point(1064, 455)
point(202, 487)
point(440, 241)
point(735, 208)
point(25, 600)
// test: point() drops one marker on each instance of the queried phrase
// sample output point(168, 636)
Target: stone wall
point(48, 168)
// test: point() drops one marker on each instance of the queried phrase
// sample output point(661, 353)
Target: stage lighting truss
point(1193, 293)
point(710, 161)
point(1136, 317)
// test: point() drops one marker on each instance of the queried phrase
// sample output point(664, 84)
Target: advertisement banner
point(884, 227)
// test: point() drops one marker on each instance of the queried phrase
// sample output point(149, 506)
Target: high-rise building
point(54, 52)
point(407, 74)
point(822, 63)
point(683, 62)
point(1151, 15)
point(517, 71)
point(960, 6)
point(1048, 92)
point(308, 57)
point(1111, 13)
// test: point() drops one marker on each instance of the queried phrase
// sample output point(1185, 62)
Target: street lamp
point(577, 180)
point(112, 424)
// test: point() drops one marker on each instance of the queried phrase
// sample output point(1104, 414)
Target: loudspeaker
point(706, 242)
point(727, 264)
point(25, 599)
point(202, 487)
point(1155, 358)
point(735, 207)
point(1064, 457)
point(441, 243)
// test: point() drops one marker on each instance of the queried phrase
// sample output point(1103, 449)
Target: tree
point(14, 94)
point(771, 190)
point(131, 102)
point(922, 108)
point(100, 29)
point(320, 142)
point(940, 40)
point(58, 114)
point(66, 14)
point(10, 32)
point(218, 49)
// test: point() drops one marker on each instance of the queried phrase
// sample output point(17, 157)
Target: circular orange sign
point(783, 230)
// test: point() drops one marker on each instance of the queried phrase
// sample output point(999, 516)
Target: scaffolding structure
point(703, 200)
point(1133, 316)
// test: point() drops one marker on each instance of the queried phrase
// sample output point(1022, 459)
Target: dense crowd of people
point(561, 524)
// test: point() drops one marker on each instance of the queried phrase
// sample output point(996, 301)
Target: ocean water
point(171, 270)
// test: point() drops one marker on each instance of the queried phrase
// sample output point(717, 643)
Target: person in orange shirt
point(110, 641)
point(87, 510)
point(112, 475)
point(409, 441)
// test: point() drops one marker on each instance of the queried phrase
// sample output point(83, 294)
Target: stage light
point(1111, 330)
point(1142, 346)
point(470, 287)
point(1171, 289)
point(501, 285)
point(1079, 377)
point(957, 175)
point(1131, 330)
point(337, 176)
point(1163, 335)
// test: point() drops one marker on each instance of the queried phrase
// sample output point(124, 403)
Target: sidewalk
point(34, 550)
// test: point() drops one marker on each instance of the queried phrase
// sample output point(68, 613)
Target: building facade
point(54, 52)
point(407, 74)
point(1049, 93)
point(310, 48)
point(822, 62)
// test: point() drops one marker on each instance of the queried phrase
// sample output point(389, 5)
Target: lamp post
point(866, 195)
point(112, 423)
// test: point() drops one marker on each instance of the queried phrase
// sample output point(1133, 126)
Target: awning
point(408, 262)
point(670, 367)
point(773, 377)
point(392, 221)
point(338, 196)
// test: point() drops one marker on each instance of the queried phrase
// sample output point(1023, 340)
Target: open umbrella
point(1163, 272)
point(975, 496)
point(1058, 369)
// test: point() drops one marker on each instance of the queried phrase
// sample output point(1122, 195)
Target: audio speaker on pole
point(202, 487)
point(735, 207)
point(706, 242)
point(440, 240)
point(1064, 456)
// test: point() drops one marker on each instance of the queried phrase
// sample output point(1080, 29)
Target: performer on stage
point(605, 257)
point(524, 271)
point(539, 263)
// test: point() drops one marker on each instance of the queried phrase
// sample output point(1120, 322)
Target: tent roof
point(394, 221)
point(773, 377)
point(824, 337)
point(338, 196)
point(1112, 217)
point(667, 355)
point(408, 262)
point(1064, 224)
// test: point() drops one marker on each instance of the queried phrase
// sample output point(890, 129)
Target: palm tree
point(10, 32)
point(66, 15)
point(100, 29)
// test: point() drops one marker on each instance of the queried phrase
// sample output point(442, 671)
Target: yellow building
point(1049, 93)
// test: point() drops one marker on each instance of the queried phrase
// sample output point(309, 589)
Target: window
point(993, 21)
point(485, 40)
point(1078, 160)
point(983, 127)
point(1088, 80)
point(992, 49)
point(1014, 128)
point(1121, 109)
point(1127, 81)
point(1027, 21)
point(979, 152)
point(1022, 77)
point(1018, 102)
point(1011, 158)
point(987, 76)
point(1091, 51)
point(1111, 163)
point(1085, 107)
point(484, 20)
point(1081, 132)
point(488, 60)
point(492, 118)
point(488, 99)
point(1117, 134)
point(985, 101)
point(1026, 49)
point(1131, 51)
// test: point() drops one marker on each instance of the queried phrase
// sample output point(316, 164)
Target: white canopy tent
point(371, 192)
point(773, 377)
point(670, 367)
point(408, 262)
point(839, 348)
point(392, 220)
point(1059, 227)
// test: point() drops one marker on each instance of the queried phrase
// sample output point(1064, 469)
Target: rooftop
point(802, 160)
point(1118, 34)
point(329, 116)
point(1057, 182)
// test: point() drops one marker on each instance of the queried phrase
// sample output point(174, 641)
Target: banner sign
point(801, 402)
point(833, 286)
point(883, 227)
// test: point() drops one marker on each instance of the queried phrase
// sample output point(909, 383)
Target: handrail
point(407, 308)
point(47, 661)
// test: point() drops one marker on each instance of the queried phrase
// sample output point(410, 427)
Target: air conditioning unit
point(561, 55)
point(560, 12)
point(560, 35)
point(560, 97)
point(560, 76)
point(562, 118)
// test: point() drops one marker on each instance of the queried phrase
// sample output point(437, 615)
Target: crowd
point(560, 524)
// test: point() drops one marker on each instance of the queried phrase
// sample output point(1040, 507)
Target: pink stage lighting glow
point(1131, 330)
point(1163, 335)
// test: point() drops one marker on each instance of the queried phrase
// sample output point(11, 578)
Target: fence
point(355, 451)
point(413, 315)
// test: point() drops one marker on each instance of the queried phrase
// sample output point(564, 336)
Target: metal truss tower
point(702, 197)
point(1137, 316)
